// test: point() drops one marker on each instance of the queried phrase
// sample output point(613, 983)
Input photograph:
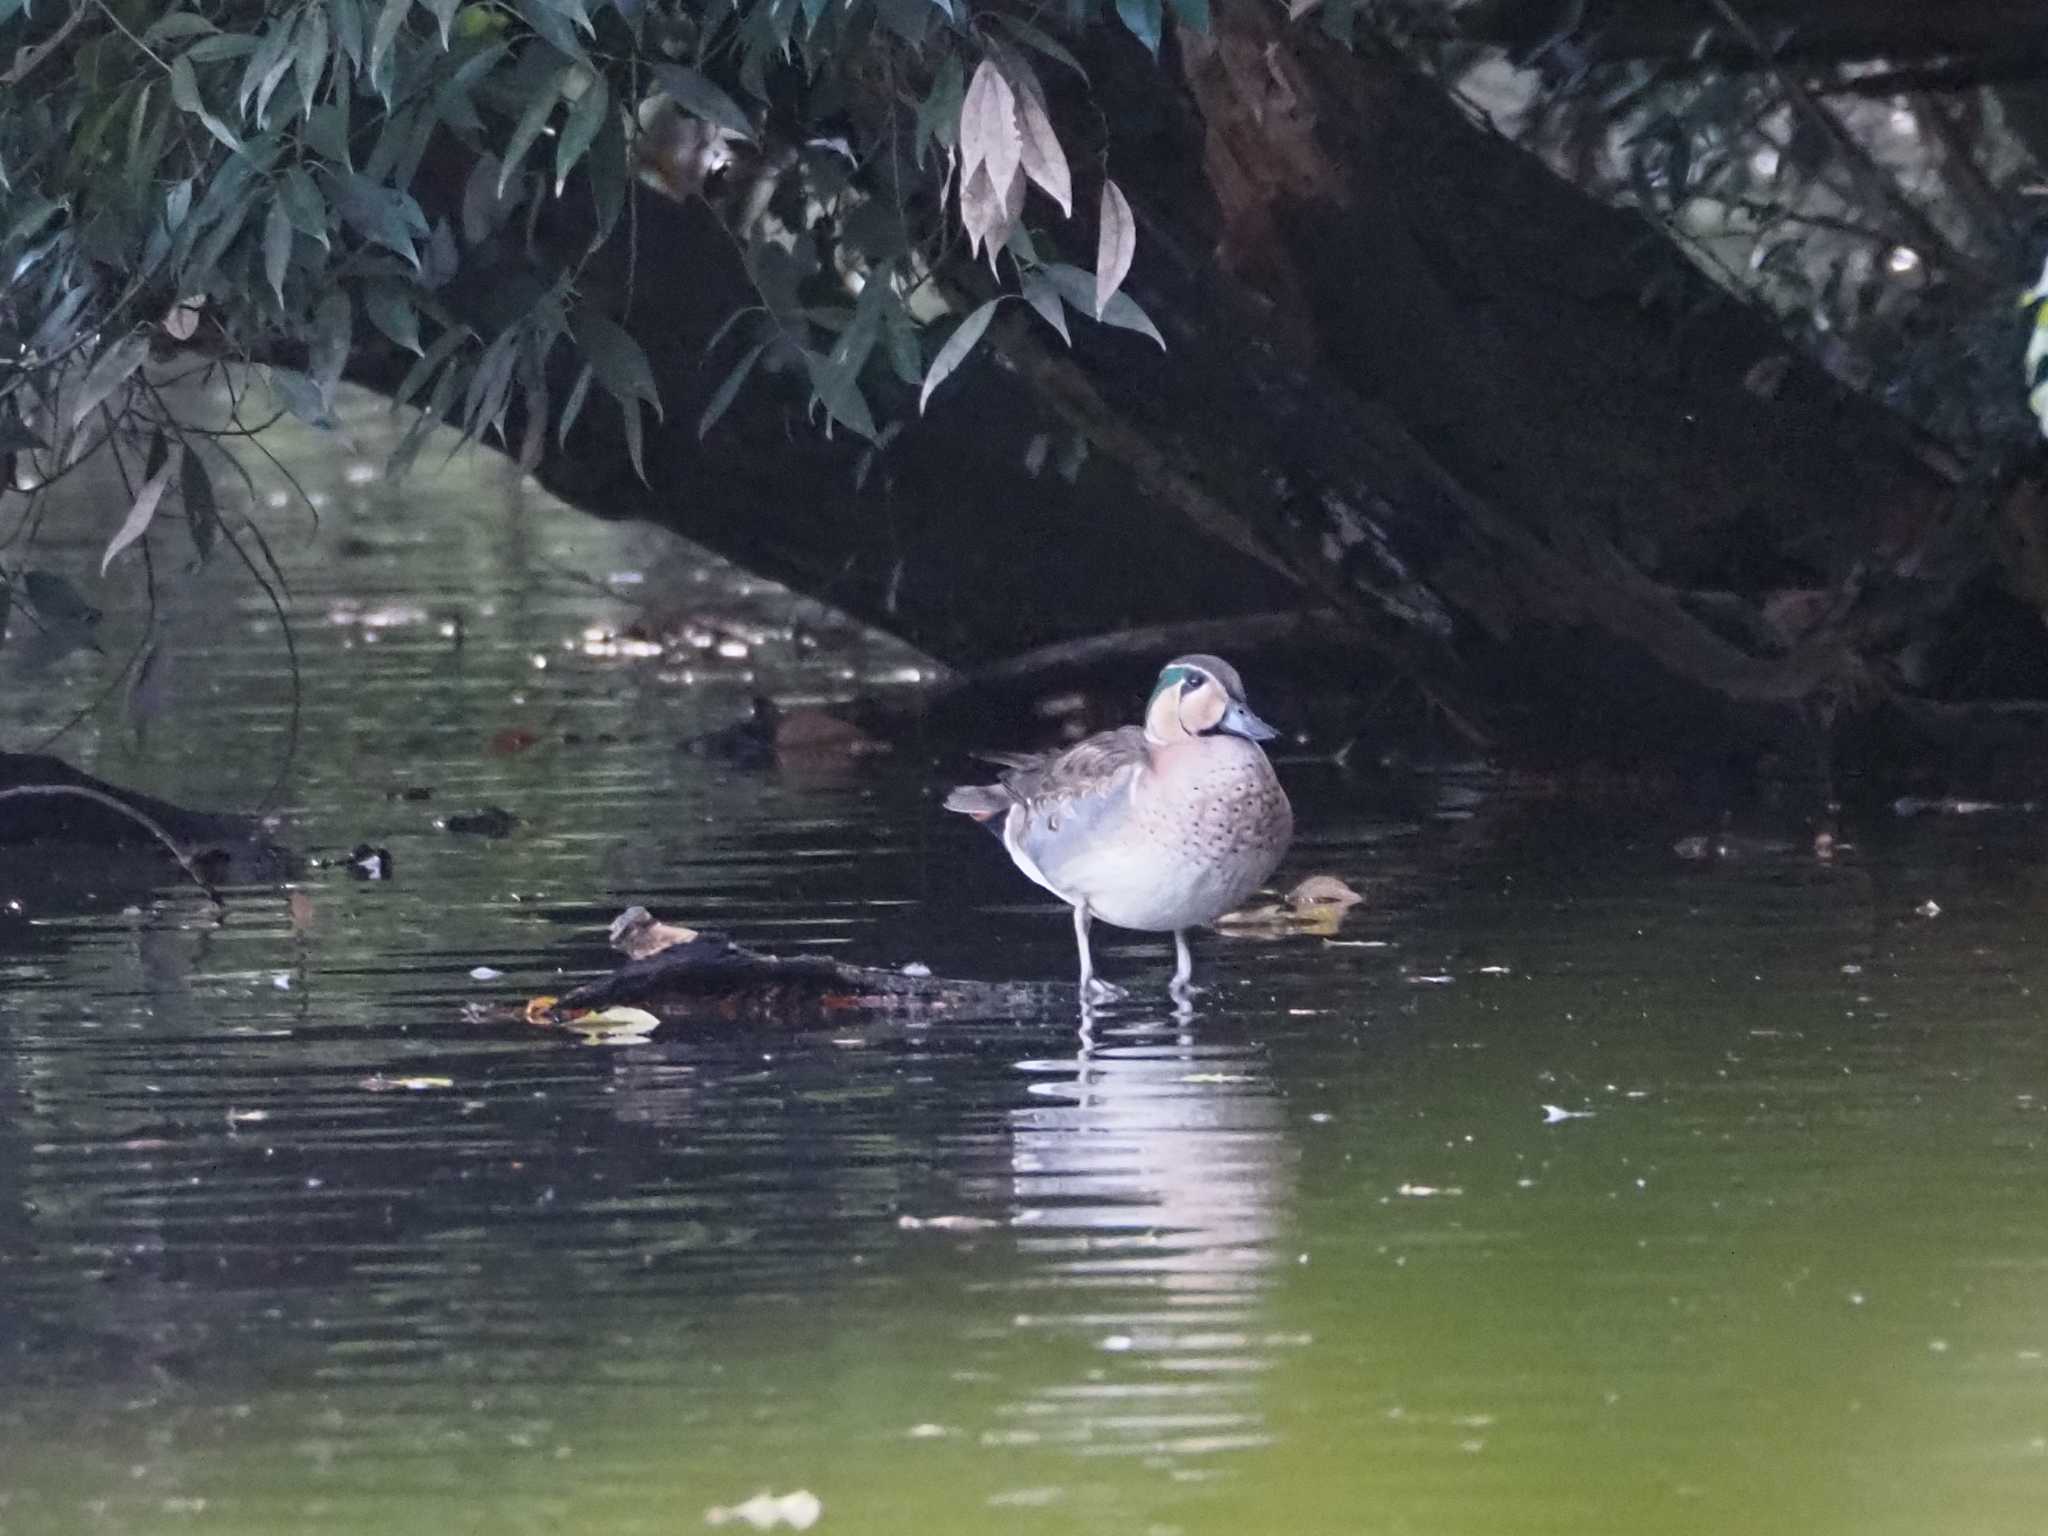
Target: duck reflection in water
point(1153, 1175)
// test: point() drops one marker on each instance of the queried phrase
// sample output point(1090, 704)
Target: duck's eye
point(1193, 681)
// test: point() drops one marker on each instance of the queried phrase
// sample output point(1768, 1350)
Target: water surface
point(288, 1242)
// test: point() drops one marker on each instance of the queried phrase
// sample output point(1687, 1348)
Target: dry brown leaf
point(1043, 159)
point(988, 128)
point(981, 208)
point(144, 510)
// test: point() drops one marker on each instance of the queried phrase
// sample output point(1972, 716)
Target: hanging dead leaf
point(1013, 214)
point(989, 136)
point(302, 913)
point(1042, 158)
point(1115, 245)
point(144, 509)
point(981, 210)
point(181, 320)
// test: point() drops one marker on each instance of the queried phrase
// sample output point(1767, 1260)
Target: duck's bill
point(1240, 721)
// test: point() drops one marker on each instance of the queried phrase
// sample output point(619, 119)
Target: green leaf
point(56, 601)
point(838, 390)
point(301, 396)
point(333, 326)
point(38, 212)
point(347, 17)
point(578, 393)
point(630, 418)
point(392, 312)
point(444, 17)
point(168, 29)
point(382, 36)
point(609, 175)
point(274, 51)
point(310, 57)
point(699, 97)
point(621, 366)
point(277, 247)
point(205, 262)
point(554, 25)
point(387, 217)
point(1143, 19)
point(483, 404)
point(300, 198)
point(955, 351)
point(1043, 295)
point(185, 92)
point(221, 48)
point(1077, 287)
point(416, 376)
point(202, 511)
point(728, 389)
point(938, 115)
point(109, 371)
point(530, 123)
point(327, 129)
point(1040, 42)
point(586, 116)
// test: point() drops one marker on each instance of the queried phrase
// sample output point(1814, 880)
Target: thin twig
point(1872, 180)
point(27, 59)
point(122, 27)
point(148, 824)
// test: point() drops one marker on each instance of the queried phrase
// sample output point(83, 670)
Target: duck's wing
point(1039, 780)
point(1067, 809)
point(1085, 769)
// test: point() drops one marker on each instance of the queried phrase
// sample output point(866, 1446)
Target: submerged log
point(684, 976)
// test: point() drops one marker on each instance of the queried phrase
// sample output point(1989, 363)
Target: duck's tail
point(984, 802)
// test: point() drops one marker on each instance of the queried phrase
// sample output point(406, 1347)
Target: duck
point(1159, 827)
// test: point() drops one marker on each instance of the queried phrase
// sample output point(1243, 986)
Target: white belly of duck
point(1171, 846)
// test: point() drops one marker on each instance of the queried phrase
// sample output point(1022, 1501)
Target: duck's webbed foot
point(1095, 990)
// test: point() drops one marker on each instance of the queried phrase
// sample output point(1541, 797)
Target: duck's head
point(1201, 696)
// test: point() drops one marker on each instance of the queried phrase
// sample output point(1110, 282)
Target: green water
point(1316, 1259)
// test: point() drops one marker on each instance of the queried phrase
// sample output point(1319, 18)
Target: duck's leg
point(1183, 965)
point(1093, 988)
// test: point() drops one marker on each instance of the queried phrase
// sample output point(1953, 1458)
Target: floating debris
point(611, 1026)
point(484, 973)
point(945, 1223)
point(369, 863)
point(377, 1082)
point(1950, 805)
point(486, 821)
point(1929, 908)
point(767, 1511)
point(1317, 905)
point(1553, 1114)
point(1428, 1191)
